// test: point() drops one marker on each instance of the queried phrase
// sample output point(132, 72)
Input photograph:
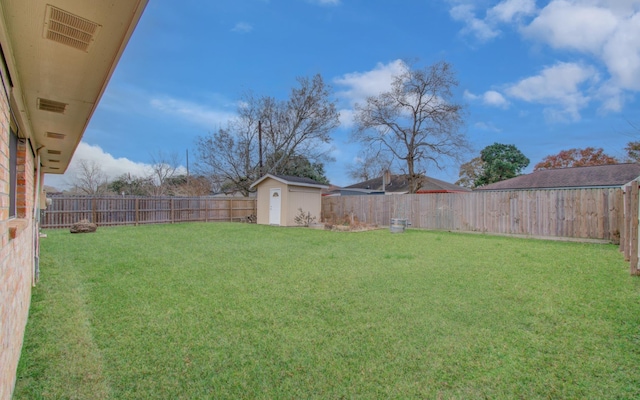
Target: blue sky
point(542, 75)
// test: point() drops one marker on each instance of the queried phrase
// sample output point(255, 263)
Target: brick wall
point(16, 252)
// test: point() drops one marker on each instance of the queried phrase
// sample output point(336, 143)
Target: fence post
point(627, 223)
point(137, 212)
point(230, 210)
point(633, 251)
point(171, 204)
point(93, 210)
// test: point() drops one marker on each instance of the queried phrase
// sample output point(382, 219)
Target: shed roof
point(292, 180)
point(614, 175)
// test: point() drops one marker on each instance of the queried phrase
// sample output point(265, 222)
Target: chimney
point(386, 179)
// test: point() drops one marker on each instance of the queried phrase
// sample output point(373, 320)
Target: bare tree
point(369, 165)
point(163, 168)
point(89, 178)
point(633, 152)
point(227, 159)
point(416, 121)
point(298, 126)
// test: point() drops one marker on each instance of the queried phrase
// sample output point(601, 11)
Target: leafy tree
point(633, 152)
point(416, 121)
point(500, 162)
point(470, 172)
point(298, 126)
point(297, 165)
point(588, 156)
point(131, 185)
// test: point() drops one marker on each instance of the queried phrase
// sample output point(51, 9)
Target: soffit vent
point(51, 105)
point(53, 135)
point(68, 29)
point(53, 167)
point(54, 161)
point(54, 151)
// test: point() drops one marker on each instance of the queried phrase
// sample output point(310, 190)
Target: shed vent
point(51, 105)
point(68, 29)
point(53, 135)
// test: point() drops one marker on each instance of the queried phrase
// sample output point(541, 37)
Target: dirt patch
point(348, 228)
point(349, 223)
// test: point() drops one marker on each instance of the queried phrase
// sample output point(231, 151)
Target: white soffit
point(61, 54)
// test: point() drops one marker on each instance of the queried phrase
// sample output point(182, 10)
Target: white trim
point(286, 182)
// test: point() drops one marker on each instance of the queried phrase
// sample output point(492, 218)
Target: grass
point(244, 311)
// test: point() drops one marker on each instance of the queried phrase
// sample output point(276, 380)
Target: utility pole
point(260, 146)
point(187, 167)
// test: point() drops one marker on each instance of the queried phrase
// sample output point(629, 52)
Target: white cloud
point(488, 27)
point(346, 118)
point(612, 97)
point(511, 10)
point(489, 98)
point(192, 112)
point(111, 166)
point(605, 29)
point(559, 86)
point(622, 54)
point(482, 30)
point(566, 25)
point(360, 85)
point(494, 98)
point(605, 32)
point(470, 96)
point(242, 27)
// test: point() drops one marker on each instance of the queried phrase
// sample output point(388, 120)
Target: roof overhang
point(551, 188)
point(61, 55)
point(286, 182)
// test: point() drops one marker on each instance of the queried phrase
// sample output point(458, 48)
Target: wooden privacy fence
point(629, 231)
point(109, 211)
point(581, 213)
point(604, 214)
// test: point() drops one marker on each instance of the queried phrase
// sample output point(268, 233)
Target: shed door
point(274, 206)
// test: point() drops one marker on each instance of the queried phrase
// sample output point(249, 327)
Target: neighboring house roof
point(400, 184)
point(614, 175)
point(292, 180)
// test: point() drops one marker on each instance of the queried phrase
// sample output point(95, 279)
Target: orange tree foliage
point(575, 158)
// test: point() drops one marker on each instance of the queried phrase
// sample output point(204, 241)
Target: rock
point(83, 226)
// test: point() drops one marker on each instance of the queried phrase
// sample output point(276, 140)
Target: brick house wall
point(17, 248)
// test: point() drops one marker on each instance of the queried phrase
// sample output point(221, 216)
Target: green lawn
point(243, 311)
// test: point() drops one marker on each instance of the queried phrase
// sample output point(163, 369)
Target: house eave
point(286, 182)
point(46, 70)
point(551, 188)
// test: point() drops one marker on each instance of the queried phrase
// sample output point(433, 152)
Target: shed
point(280, 198)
